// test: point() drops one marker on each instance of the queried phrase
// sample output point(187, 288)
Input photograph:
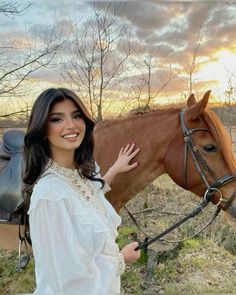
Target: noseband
point(201, 164)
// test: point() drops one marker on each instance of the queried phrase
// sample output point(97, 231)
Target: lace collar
point(80, 183)
point(63, 171)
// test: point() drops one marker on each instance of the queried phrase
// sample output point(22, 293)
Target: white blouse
point(73, 230)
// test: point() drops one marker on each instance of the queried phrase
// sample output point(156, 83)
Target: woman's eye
point(55, 120)
point(210, 148)
point(78, 116)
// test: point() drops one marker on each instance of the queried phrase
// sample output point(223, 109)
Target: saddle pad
point(13, 141)
point(11, 173)
point(3, 154)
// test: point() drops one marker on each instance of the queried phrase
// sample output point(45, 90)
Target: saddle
point(11, 158)
point(11, 199)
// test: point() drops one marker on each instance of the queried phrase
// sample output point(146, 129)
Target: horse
point(193, 148)
point(159, 134)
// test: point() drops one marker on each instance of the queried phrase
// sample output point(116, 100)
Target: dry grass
point(206, 264)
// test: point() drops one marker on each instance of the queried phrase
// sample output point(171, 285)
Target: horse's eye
point(210, 148)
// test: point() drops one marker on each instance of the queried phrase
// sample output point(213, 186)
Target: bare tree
point(13, 8)
point(154, 77)
point(96, 65)
point(229, 106)
point(191, 61)
point(23, 55)
point(20, 59)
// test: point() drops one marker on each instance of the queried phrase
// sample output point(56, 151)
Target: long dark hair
point(36, 148)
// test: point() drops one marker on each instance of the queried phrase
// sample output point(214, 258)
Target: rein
point(211, 189)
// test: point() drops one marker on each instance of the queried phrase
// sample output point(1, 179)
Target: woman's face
point(65, 129)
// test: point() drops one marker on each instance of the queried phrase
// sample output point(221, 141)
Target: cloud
point(157, 27)
point(47, 75)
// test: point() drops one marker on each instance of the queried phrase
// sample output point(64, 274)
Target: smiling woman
point(66, 205)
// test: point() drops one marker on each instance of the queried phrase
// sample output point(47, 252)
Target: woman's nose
point(70, 124)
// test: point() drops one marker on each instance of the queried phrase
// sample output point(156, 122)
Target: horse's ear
point(191, 100)
point(198, 108)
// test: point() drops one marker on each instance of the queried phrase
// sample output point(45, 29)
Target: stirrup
point(23, 259)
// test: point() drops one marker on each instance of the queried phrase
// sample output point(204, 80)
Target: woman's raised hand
point(122, 164)
point(126, 154)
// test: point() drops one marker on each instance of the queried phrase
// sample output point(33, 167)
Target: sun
point(221, 69)
point(227, 68)
point(227, 59)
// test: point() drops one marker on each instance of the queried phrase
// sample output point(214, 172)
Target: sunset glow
point(222, 69)
point(175, 47)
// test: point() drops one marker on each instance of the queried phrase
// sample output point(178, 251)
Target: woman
point(73, 227)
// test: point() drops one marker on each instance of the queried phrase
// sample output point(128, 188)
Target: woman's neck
point(66, 162)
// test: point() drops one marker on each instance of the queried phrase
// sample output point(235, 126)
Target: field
point(202, 265)
point(206, 264)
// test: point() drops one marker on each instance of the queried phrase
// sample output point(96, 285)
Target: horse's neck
point(151, 132)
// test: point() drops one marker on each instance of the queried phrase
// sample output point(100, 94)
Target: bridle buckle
point(186, 138)
point(210, 192)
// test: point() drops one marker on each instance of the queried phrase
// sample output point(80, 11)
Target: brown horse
point(159, 135)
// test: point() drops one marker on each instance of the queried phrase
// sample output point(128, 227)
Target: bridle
point(201, 164)
point(201, 167)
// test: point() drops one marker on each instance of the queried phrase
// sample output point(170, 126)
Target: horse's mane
point(221, 137)
point(132, 116)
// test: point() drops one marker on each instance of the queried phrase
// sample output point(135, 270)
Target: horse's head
point(200, 156)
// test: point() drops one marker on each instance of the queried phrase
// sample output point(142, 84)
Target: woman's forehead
point(64, 106)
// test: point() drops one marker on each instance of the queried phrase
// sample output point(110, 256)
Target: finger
point(131, 156)
point(130, 148)
point(135, 243)
point(121, 151)
point(132, 166)
point(134, 153)
point(126, 148)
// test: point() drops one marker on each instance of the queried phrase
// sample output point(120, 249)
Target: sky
point(166, 30)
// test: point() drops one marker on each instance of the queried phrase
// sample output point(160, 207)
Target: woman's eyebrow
point(77, 111)
point(56, 113)
point(61, 113)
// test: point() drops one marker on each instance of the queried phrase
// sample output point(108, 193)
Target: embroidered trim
point(80, 183)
